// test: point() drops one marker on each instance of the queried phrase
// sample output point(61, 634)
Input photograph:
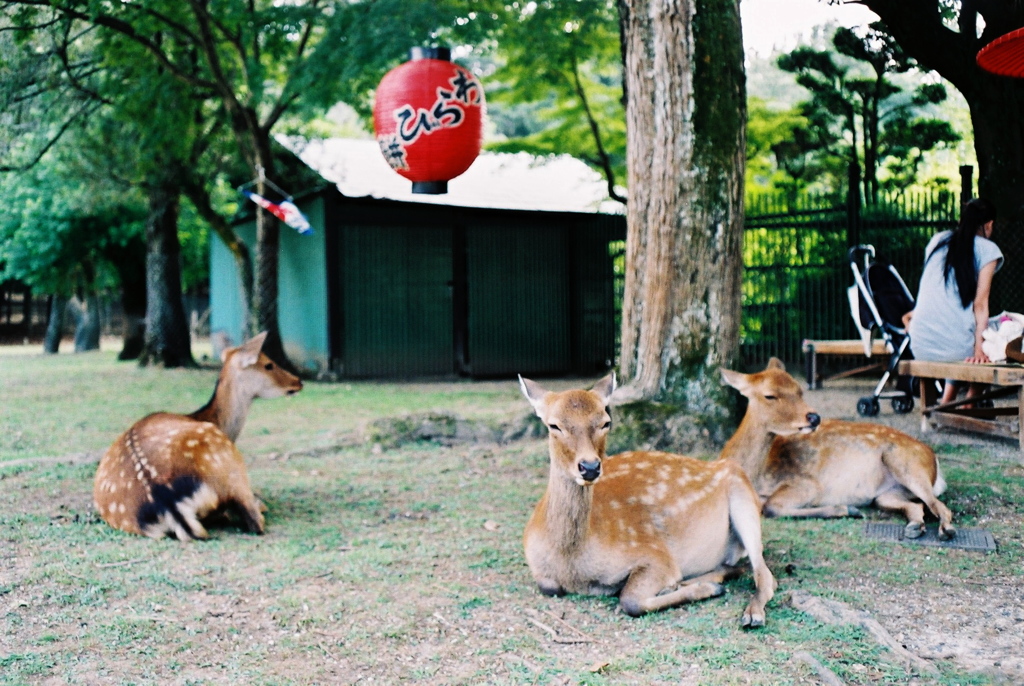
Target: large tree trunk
point(996, 104)
point(167, 333)
point(685, 117)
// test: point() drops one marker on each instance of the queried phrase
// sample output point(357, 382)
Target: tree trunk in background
point(685, 118)
point(200, 197)
point(166, 339)
point(133, 305)
point(55, 324)
point(130, 262)
point(87, 324)
point(264, 292)
point(265, 282)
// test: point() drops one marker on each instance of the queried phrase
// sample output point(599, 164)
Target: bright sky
point(780, 23)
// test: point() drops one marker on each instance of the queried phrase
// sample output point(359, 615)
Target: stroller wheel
point(903, 404)
point(868, 406)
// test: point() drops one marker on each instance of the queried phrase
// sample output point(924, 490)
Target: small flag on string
point(285, 210)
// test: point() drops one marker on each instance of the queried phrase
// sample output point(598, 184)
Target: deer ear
point(736, 380)
point(605, 387)
point(534, 393)
point(776, 363)
point(249, 351)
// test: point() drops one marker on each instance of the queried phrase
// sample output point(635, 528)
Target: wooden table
point(1005, 380)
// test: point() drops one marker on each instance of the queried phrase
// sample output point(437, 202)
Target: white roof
point(500, 180)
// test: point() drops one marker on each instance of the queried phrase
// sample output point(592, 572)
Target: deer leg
point(252, 517)
point(640, 595)
point(238, 495)
point(916, 479)
point(716, 576)
point(914, 512)
point(790, 499)
point(745, 518)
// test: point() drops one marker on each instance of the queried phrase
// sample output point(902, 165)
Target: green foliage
point(858, 114)
point(558, 86)
point(60, 237)
point(772, 144)
point(903, 144)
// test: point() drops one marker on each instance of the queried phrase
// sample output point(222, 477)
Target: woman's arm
point(981, 310)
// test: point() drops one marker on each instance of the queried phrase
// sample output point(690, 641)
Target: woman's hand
point(978, 358)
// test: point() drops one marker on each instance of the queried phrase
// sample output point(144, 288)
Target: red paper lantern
point(428, 119)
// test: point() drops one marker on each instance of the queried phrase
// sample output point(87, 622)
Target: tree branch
point(595, 131)
point(69, 70)
point(917, 26)
point(125, 29)
point(86, 109)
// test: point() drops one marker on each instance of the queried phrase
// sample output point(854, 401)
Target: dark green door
point(518, 300)
point(396, 290)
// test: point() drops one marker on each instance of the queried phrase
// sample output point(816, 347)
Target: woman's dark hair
point(960, 255)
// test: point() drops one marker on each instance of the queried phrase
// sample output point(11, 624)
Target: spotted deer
point(169, 471)
point(657, 529)
point(805, 467)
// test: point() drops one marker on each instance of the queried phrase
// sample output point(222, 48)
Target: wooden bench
point(1007, 380)
point(850, 348)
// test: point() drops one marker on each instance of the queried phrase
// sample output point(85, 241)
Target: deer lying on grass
point(169, 471)
point(805, 467)
point(657, 529)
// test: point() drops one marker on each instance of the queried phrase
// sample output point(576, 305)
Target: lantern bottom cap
point(430, 187)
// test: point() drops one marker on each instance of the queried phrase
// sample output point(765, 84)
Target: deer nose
point(813, 419)
point(590, 470)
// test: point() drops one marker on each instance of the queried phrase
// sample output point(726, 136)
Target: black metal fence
point(797, 271)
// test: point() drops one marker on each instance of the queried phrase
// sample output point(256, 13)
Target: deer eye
point(607, 425)
point(770, 397)
point(268, 366)
point(554, 427)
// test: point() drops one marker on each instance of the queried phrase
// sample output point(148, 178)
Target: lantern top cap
point(421, 53)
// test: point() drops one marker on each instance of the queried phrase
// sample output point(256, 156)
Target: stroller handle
point(857, 251)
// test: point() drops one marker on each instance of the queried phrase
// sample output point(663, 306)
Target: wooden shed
point(388, 288)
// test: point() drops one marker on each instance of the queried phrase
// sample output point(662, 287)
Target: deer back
point(168, 471)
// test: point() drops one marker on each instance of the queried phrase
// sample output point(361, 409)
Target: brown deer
point(657, 529)
point(169, 471)
point(805, 467)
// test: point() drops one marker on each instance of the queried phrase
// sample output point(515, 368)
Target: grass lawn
point(405, 565)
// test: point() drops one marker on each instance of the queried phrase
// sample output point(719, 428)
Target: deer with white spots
point(169, 471)
point(654, 528)
point(805, 467)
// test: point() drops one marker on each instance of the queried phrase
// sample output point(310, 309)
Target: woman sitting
point(952, 302)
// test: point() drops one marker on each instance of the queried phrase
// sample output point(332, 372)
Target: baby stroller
point(878, 300)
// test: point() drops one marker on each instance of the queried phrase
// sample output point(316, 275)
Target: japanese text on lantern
point(446, 112)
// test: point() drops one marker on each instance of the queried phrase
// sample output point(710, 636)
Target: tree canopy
point(861, 117)
point(559, 84)
point(946, 36)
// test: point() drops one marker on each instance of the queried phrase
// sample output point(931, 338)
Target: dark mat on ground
point(965, 539)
